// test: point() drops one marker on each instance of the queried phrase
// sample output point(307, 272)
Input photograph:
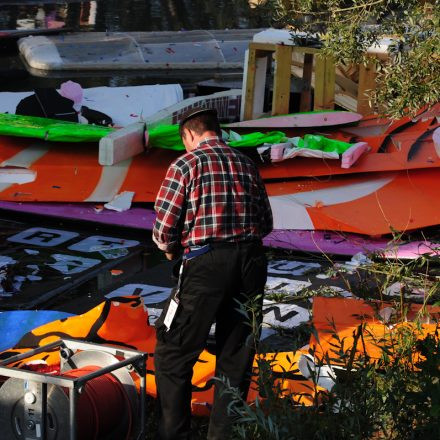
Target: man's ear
point(189, 134)
point(187, 139)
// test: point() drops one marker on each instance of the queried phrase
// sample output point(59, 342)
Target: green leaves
point(390, 398)
point(352, 31)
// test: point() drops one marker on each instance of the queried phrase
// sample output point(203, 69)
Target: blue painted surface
point(14, 325)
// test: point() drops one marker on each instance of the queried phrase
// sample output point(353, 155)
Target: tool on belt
point(189, 254)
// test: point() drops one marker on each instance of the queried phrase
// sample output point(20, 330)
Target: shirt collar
point(209, 139)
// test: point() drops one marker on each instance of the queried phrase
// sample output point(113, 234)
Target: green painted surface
point(50, 129)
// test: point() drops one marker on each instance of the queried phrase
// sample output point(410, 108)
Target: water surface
point(118, 16)
point(132, 15)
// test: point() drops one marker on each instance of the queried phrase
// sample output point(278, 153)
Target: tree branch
point(351, 8)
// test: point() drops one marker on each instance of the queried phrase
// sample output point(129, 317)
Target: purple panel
point(303, 241)
point(141, 218)
point(347, 244)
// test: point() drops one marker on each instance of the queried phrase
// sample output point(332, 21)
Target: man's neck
point(199, 139)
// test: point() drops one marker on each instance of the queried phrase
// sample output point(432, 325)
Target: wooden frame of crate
point(324, 93)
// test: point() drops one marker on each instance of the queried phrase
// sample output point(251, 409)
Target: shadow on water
point(114, 16)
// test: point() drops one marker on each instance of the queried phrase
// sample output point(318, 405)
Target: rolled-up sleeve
point(169, 205)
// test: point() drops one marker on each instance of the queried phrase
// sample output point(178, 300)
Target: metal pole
point(44, 411)
point(38, 350)
point(143, 389)
point(102, 371)
point(82, 345)
point(73, 393)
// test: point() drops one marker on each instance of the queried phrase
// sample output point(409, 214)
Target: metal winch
point(93, 396)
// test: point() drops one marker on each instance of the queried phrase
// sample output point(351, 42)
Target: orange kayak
point(393, 186)
point(371, 203)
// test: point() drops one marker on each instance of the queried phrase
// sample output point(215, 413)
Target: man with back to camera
point(213, 204)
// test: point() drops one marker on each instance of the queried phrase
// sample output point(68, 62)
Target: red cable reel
point(100, 406)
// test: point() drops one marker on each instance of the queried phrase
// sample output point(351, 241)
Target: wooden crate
point(324, 87)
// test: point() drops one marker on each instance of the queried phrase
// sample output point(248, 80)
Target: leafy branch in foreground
point(393, 396)
point(352, 32)
point(378, 380)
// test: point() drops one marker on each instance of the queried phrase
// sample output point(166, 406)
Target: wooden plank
point(255, 79)
point(367, 81)
point(267, 47)
point(254, 83)
point(319, 83)
point(244, 84)
point(324, 84)
point(310, 50)
point(281, 87)
point(329, 82)
point(250, 83)
point(260, 85)
point(122, 144)
point(271, 47)
point(305, 104)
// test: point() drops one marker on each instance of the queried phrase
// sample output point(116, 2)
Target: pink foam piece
point(72, 90)
point(436, 139)
point(277, 152)
point(310, 119)
point(350, 156)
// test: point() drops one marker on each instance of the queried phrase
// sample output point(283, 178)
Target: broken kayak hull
point(393, 187)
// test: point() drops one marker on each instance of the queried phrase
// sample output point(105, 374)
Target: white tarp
point(284, 36)
point(124, 105)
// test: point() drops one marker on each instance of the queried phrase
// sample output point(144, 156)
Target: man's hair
point(201, 123)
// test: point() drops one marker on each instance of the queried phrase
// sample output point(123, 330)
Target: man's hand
point(170, 256)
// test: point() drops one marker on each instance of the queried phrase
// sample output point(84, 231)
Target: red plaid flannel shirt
point(213, 193)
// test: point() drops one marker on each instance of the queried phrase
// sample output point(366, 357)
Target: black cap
point(189, 114)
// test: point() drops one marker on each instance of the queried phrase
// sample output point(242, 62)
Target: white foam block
point(17, 175)
point(122, 144)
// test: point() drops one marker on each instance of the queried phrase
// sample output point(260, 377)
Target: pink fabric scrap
point(72, 90)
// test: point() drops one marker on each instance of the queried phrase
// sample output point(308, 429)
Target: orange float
point(102, 325)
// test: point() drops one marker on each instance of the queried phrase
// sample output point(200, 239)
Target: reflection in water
point(32, 16)
point(134, 15)
point(120, 15)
